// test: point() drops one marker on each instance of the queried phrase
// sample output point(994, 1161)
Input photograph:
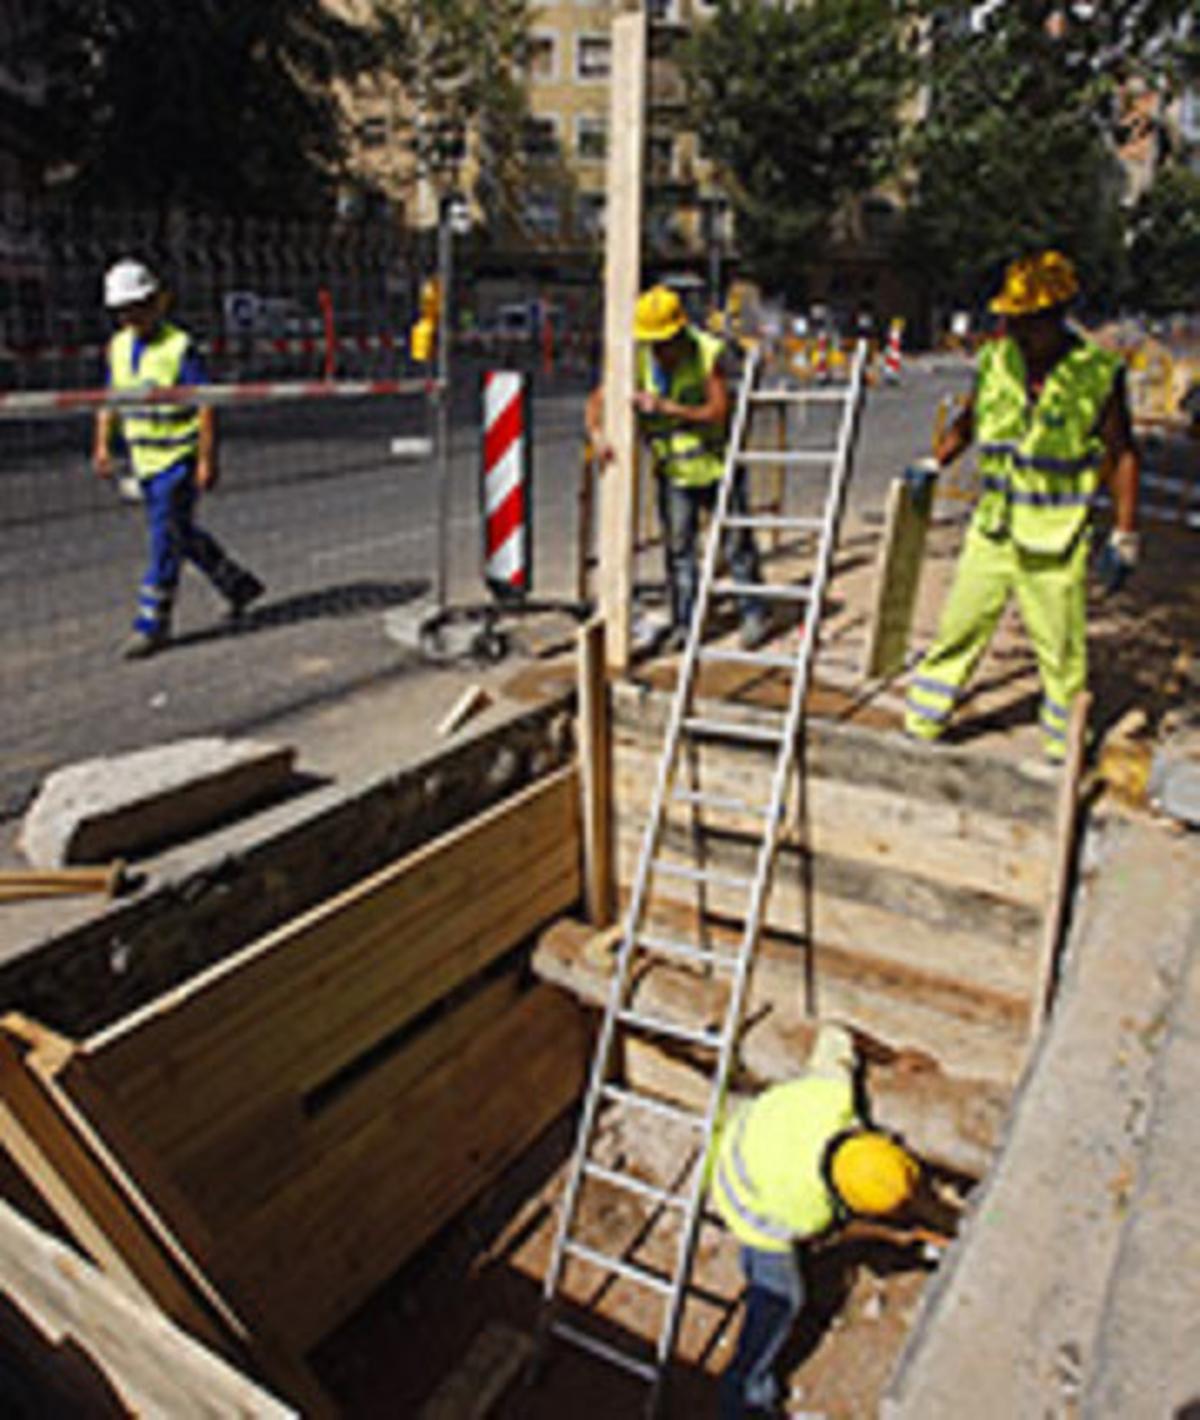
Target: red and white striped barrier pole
point(47, 404)
point(821, 358)
point(893, 356)
point(505, 485)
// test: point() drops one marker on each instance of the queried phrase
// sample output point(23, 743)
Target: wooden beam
point(1066, 836)
point(897, 578)
point(595, 763)
point(622, 277)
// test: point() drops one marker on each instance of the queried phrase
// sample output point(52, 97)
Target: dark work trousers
point(170, 498)
point(679, 508)
point(774, 1296)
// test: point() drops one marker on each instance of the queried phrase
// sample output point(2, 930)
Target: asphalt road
point(313, 500)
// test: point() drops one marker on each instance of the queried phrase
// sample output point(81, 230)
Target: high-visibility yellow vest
point(157, 437)
point(768, 1183)
point(1040, 462)
point(694, 455)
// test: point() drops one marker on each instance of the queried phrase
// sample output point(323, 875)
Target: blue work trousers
point(774, 1297)
point(169, 499)
point(679, 508)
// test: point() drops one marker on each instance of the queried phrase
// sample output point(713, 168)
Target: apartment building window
point(1189, 115)
point(660, 152)
point(541, 57)
point(540, 137)
point(541, 214)
point(592, 56)
point(373, 132)
point(664, 11)
point(591, 138)
point(589, 216)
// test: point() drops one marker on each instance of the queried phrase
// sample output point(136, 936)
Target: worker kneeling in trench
point(791, 1164)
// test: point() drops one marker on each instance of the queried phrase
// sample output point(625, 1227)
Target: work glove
point(921, 477)
point(1118, 561)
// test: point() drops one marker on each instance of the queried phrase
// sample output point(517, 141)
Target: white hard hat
point(128, 281)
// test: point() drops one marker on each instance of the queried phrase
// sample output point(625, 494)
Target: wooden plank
point(377, 1196)
point(493, 1362)
point(18, 884)
point(1066, 840)
point(595, 762)
point(622, 277)
point(897, 577)
point(89, 1342)
point(1007, 858)
point(297, 1006)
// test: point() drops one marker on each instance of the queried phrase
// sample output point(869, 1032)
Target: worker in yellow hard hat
point(789, 1166)
point(1051, 416)
point(682, 405)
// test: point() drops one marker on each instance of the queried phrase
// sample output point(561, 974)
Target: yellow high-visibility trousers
point(1051, 593)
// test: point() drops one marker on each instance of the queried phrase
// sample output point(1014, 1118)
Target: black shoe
point(246, 590)
point(140, 644)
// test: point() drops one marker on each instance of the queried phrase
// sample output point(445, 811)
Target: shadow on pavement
point(324, 604)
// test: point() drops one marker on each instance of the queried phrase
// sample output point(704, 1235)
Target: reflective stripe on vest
point(694, 456)
point(157, 437)
point(1040, 462)
point(736, 1194)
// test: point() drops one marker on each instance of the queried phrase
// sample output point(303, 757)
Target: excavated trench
point(343, 1065)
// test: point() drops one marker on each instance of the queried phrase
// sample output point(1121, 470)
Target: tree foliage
point(231, 104)
point(800, 107)
point(1165, 245)
point(1028, 102)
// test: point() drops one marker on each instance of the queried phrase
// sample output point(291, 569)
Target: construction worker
point(1051, 416)
point(173, 452)
point(789, 1166)
point(682, 404)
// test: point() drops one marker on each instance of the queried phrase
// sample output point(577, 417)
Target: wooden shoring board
point(945, 842)
point(91, 1343)
point(158, 1255)
point(897, 578)
point(299, 1005)
point(596, 770)
point(332, 1235)
point(1066, 842)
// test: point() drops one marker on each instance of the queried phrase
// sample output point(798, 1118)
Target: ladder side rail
point(785, 762)
point(653, 826)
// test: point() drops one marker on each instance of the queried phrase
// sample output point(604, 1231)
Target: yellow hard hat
point(659, 315)
point(1036, 283)
point(872, 1174)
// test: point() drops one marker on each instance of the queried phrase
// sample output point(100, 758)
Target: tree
point(800, 107)
point(1165, 243)
point(1028, 102)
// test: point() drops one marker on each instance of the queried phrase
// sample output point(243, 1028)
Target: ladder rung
point(732, 730)
point(684, 951)
point(676, 1114)
point(655, 1024)
point(603, 1351)
point(716, 801)
point(629, 1270)
point(776, 591)
point(639, 1186)
point(767, 659)
point(780, 395)
point(700, 875)
point(778, 521)
point(786, 456)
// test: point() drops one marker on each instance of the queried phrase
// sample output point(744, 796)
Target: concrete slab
point(121, 805)
point(1009, 1327)
point(1147, 1354)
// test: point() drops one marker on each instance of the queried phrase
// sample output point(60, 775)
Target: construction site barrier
point(44, 404)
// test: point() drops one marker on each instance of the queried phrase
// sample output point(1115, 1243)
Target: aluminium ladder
point(685, 727)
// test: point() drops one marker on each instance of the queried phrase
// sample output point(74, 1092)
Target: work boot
point(140, 644)
point(246, 589)
point(675, 639)
point(756, 628)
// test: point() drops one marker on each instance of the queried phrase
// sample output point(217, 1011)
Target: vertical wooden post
point(595, 760)
point(622, 275)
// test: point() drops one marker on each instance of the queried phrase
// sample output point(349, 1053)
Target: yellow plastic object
point(431, 300)
point(1036, 283)
point(421, 340)
point(659, 315)
point(872, 1174)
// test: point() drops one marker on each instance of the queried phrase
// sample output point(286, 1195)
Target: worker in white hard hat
point(173, 452)
point(1051, 417)
point(792, 1165)
point(682, 404)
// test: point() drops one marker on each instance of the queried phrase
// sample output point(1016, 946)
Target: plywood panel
point(897, 577)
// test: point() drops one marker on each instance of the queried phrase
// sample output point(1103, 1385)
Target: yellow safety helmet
point(1036, 283)
point(659, 315)
point(872, 1174)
